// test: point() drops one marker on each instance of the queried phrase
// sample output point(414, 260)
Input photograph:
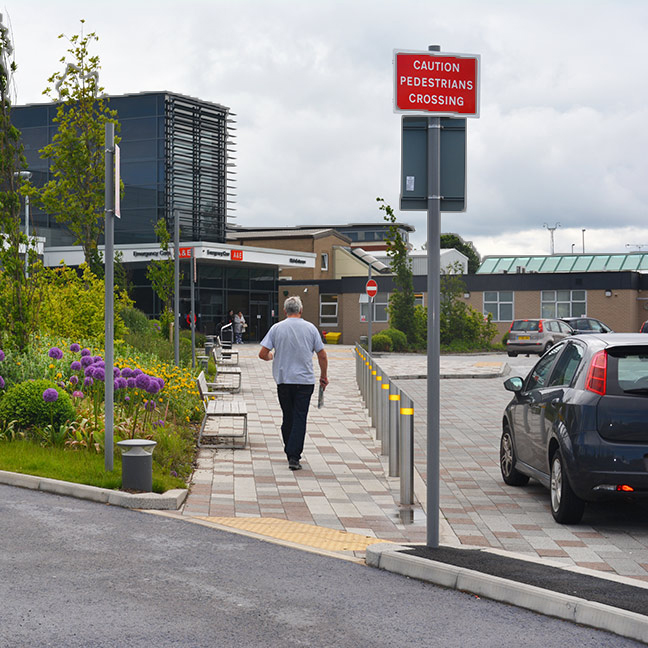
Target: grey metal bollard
point(406, 450)
point(394, 416)
point(378, 423)
point(137, 464)
point(384, 416)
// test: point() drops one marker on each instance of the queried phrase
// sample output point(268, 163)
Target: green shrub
point(398, 338)
point(135, 320)
point(24, 404)
point(380, 342)
point(201, 338)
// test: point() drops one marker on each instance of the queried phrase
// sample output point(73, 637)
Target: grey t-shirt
point(294, 341)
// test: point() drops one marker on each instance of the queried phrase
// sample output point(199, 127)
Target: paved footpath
point(343, 486)
point(343, 500)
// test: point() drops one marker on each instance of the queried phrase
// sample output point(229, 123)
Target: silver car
point(535, 335)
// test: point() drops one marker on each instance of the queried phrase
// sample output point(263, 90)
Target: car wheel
point(546, 348)
point(510, 475)
point(566, 506)
point(512, 354)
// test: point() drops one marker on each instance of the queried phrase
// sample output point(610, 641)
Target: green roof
point(634, 261)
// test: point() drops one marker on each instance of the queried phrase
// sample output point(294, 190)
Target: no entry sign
point(372, 288)
point(436, 83)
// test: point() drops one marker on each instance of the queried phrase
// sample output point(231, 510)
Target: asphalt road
point(75, 573)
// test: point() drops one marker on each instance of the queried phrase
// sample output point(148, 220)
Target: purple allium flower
point(2, 382)
point(99, 363)
point(153, 387)
point(85, 352)
point(130, 383)
point(137, 372)
point(2, 355)
point(76, 366)
point(142, 381)
point(120, 383)
point(55, 353)
point(126, 372)
point(150, 405)
point(127, 399)
point(50, 394)
point(97, 359)
point(161, 383)
point(88, 382)
point(77, 394)
point(74, 380)
point(86, 361)
point(74, 347)
point(161, 423)
point(89, 371)
point(99, 373)
point(116, 372)
point(61, 384)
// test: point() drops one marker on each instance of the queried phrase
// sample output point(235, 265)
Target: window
point(324, 265)
point(566, 366)
point(380, 303)
point(328, 310)
point(563, 303)
point(538, 376)
point(418, 299)
point(499, 304)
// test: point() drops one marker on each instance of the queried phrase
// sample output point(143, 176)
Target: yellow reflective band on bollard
point(385, 385)
point(407, 411)
point(394, 397)
point(374, 372)
point(378, 377)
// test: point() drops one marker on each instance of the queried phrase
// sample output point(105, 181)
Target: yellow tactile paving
point(299, 533)
point(487, 364)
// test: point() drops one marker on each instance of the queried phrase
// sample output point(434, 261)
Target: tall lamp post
point(26, 175)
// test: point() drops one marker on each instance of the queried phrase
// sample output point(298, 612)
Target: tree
point(19, 299)
point(161, 274)
point(75, 195)
point(401, 300)
point(455, 241)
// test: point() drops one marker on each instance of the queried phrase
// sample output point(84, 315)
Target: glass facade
point(175, 155)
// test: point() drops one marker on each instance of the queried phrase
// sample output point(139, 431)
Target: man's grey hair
point(293, 306)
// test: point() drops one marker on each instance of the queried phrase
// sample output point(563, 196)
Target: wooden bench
point(215, 409)
point(227, 354)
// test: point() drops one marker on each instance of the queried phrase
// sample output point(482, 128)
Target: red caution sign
point(372, 288)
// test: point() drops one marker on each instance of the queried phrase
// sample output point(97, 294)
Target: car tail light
point(540, 326)
point(624, 488)
point(597, 375)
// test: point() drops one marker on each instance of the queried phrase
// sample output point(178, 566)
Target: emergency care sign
point(437, 83)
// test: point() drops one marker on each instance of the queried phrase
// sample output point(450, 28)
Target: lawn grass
point(77, 466)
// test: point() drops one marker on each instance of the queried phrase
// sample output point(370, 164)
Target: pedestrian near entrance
point(239, 327)
point(294, 341)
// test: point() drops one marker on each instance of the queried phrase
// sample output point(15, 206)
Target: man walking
point(294, 341)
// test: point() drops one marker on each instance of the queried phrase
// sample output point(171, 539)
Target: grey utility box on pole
point(414, 164)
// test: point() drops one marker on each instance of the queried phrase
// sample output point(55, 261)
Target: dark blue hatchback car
point(578, 423)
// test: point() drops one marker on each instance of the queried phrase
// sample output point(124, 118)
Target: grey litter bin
point(364, 340)
point(137, 464)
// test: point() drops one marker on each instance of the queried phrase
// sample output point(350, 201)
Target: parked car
point(535, 335)
point(578, 423)
point(644, 327)
point(587, 325)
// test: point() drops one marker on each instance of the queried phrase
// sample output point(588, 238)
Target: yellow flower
point(51, 366)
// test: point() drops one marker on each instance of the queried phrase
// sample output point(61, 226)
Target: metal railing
point(391, 412)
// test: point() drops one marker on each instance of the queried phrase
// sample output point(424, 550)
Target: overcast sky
point(561, 138)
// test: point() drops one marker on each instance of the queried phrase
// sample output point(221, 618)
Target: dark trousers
point(294, 401)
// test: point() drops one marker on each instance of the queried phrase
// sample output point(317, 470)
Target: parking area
point(483, 511)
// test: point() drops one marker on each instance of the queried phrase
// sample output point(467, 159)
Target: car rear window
point(525, 325)
point(628, 370)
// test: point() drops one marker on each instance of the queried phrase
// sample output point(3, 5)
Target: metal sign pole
point(176, 296)
point(109, 256)
point(192, 317)
point(433, 346)
point(370, 310)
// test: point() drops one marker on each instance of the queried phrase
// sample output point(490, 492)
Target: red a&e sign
point(437, 83)
point(237, 255)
